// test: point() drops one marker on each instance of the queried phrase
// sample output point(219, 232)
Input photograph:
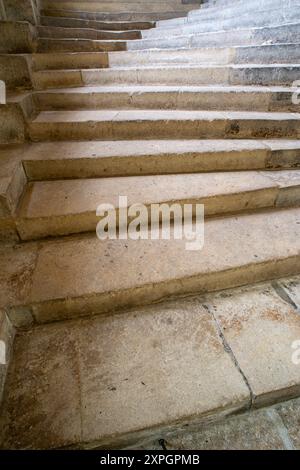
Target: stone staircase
point(163, 102)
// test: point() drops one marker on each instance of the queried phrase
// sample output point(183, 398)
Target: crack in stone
point(231, 353)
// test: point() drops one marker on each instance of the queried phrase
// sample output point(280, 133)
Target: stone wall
point(16, 10)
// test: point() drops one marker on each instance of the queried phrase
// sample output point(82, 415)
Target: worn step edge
point(118, 125)
point(61, 160)
point(249, 98)
point(220, 193)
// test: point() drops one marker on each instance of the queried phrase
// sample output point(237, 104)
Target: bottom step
point(143, 373)
point(80, 275)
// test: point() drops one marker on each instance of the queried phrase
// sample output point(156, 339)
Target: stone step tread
point(127, 88)
point(156, 115)
point(72, 207)
point(77, 40)
point(82, 275)
point(196, 66)
point(59, 32)
point(195, 49)
point(195, 381)
point(66, 150)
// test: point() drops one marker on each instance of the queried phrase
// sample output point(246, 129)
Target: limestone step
point(61, 160)
point(184, 74)
point(265, 54)
point(73, 203)
point(82, 275)
point(78, 45)
point(85, 33)
point(166, 124)
point(219, 98)
point(185, 364)
point(64, 22)
point(113, 17)
point(285, 33)
point(118, 7)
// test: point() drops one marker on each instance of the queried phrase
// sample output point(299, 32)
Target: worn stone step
point(285, 33)
point(184, 74)
point(79, 45)
point(85, 33)
point(168, 97)
point(72, 207)
point(265, 54)
point(113, 17)
point(214, 357)
point(64, 22)
point(82, 275)
point(146, 124)
point(60, 160)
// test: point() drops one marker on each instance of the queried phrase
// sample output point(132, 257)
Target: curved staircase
point(122, 341)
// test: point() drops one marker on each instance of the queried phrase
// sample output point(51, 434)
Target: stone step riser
point(168, 128)
point(114, 17)
point(242, 197)
point(272, 75)
point(79, 45)
point(63, 33)
point(257, 36)
point(144, 7)
point(98, 25)
point(234, 100)
point(81, 160)
point(69, 61)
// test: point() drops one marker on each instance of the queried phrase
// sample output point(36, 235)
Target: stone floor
point(116, 380)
